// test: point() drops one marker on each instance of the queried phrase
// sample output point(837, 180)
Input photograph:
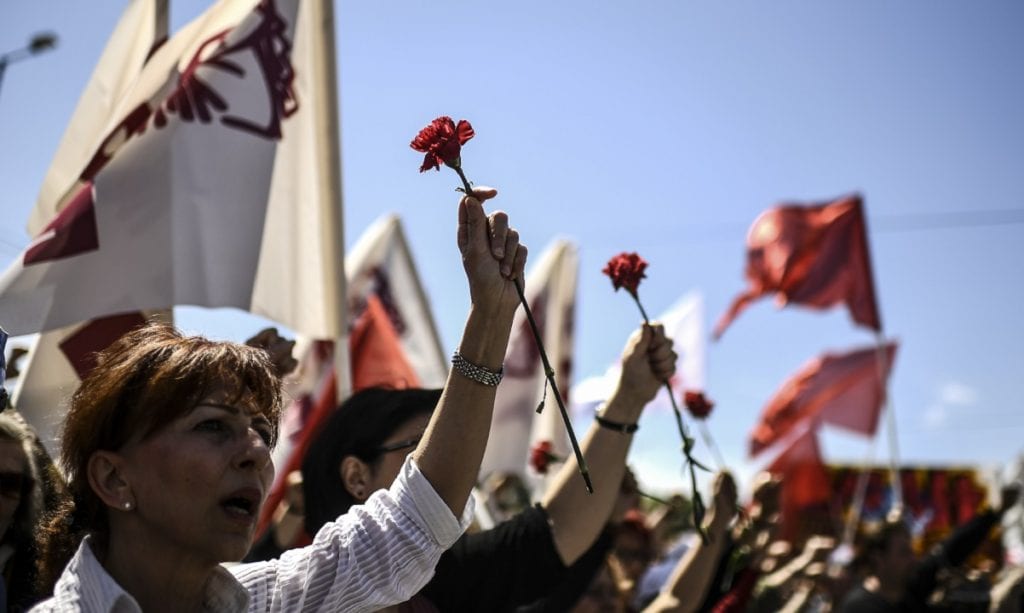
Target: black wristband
point(614, 425)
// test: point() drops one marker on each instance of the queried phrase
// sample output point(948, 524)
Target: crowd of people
point(165, 467)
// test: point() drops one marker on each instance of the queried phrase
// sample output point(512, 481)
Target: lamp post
point(40, 43)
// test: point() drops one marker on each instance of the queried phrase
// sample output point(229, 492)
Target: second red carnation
point(541, 457)
point(697, 404)
point(625, 271)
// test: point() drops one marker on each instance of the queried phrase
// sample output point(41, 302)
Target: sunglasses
point(12, 484)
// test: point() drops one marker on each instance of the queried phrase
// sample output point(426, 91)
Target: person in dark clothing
point(898, 582)
point(360, 448)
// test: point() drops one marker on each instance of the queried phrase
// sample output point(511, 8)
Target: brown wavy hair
point(141, 383)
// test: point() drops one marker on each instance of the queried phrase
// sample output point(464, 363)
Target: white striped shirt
point(378, 554)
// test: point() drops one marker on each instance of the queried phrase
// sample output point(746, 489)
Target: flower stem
point(466, 187)
point(690, 462)
point(661, 501)
point(550, 374)
point(548, 371)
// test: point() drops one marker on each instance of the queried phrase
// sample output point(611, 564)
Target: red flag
point(816, 256)
point(841, 389)
point(805, 481)
point(376, 351)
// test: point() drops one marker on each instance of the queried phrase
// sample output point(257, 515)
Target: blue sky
point(666, 127)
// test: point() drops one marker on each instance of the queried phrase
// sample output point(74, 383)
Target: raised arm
point(689, 582)
point(452, 447)
point(577, 517)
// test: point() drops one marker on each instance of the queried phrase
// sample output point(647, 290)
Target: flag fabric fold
point(845, 390)
point(815, 256)
point(140, 31)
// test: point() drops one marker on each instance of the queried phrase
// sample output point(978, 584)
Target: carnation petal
point(464, 131)
point(429, 161)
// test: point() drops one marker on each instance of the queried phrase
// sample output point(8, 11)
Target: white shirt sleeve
point(377, 554)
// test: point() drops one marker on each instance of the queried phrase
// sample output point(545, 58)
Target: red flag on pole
point(816, 256)
point(843, 390)
point(804, 479)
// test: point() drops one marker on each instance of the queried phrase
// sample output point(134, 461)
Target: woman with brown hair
point(167, 451)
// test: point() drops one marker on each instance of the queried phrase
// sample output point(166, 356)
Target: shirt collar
point(85, 585)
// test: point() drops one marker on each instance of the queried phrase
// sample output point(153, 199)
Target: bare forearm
point(688, 584)
point(577, 517)
point(453, 445)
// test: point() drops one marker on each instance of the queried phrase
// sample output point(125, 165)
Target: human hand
point(818, 548)
point(293, 493)
point(278, 348)
point(724, 500)
point(491, 254)
point(648, 362)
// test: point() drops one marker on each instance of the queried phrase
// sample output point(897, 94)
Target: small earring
point(127, 506)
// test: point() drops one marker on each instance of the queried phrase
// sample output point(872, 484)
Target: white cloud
point(954, 393)
point(949, 397)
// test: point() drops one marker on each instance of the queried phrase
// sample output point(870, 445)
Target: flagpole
point(709, 442)
point(894, 452)
point(857, 504)
point(329, 159)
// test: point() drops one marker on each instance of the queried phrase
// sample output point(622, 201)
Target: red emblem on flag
point(71, 232)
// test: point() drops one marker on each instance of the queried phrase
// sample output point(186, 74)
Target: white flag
point(515, 427)
point(684, 324)
point(59, 357)
point(141, 29)
point(216, 188)
point(56, 363)
point(381, 263)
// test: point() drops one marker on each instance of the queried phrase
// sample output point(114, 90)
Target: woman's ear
point(107, 480)
point(355, 475)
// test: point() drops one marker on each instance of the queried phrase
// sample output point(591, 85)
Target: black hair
point(360, 425)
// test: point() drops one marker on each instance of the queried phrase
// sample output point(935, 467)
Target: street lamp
point(40, 43)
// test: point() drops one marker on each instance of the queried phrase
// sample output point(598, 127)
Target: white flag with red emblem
point(141, 29)
point(59, 358)
point(516, 426)
point(217, 184)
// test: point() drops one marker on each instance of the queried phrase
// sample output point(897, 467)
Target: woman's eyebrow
point(256, 415)
point(218, 405)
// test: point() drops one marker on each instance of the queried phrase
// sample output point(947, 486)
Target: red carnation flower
point(541, 457)
point(442, 141)
point(697, 404)
point(626, 270)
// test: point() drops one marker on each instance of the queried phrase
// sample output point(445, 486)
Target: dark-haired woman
point(167, 449)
